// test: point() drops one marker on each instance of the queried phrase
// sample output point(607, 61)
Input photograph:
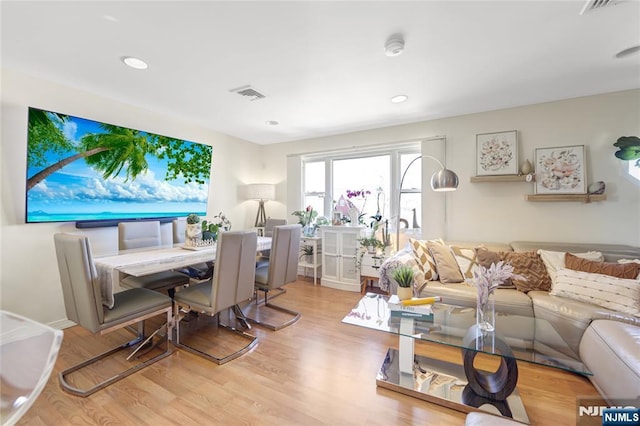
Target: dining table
point(139, 262)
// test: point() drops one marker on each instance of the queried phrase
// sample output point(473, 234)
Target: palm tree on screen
point(116, 150)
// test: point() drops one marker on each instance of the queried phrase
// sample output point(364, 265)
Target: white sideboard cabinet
point(339, 247)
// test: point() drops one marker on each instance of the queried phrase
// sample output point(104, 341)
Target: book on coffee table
point(421, 312)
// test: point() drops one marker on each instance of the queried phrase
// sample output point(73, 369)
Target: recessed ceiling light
point(627, 52)
point(272, 122)
point(136, 63)
point(399, 99)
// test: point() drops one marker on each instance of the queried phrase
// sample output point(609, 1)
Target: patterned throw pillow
point(466, 259)
point(617, 294)
point(554, 260)
point(530, 266)
point(486, 257)
point(619, 270)
point(424, 260)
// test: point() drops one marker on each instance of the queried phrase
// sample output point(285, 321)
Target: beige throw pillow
point(446, 265)
point(617, 294)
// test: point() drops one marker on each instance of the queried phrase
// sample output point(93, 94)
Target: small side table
point(370, 270)
point(315, 260)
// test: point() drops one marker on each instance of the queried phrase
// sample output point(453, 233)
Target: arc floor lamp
point(442, 180)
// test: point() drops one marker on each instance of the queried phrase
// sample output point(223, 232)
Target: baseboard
point(62, 324)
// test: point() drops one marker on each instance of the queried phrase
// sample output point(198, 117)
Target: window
point(314, 184)
point(327, 177)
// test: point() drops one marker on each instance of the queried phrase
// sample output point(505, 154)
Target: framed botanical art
point(497, 153)
point(561, 170)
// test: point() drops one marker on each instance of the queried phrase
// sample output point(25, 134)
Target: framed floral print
point(561, 170)
point(497, 153)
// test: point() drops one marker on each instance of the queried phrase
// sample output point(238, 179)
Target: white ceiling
point(321, 64)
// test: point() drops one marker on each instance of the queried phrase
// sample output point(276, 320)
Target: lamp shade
point(444, 180)
point(260, 191)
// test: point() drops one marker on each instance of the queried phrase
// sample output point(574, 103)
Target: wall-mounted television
point(85, 171)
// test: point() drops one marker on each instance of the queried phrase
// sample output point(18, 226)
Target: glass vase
point(486, 314)
point(309, 230)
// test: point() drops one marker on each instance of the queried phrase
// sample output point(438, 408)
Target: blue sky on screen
point(80, 189)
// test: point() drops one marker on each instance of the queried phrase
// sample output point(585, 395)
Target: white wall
point(498, 211)
point(29, 283)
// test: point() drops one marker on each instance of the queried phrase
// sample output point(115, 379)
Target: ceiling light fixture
point(626, 52)
point(398, 99)
point(394, 45)
point(136, 63)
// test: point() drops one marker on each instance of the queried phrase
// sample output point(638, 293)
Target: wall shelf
point(585, 198)
point(501, 178)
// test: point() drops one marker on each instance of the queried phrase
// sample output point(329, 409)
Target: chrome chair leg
point(139, 340)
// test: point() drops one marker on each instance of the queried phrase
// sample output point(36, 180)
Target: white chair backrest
point(179, 227)
point(272, 223)
point(133, 235)
point(80, 289)
point(284, 256)
point(234, 273)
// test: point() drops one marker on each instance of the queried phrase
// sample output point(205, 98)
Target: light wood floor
point(315, 372)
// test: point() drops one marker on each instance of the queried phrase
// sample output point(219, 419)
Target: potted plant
point(210, 230)
point(372, 244)
point(306, 251)
point(193, 231)
point(403, 275)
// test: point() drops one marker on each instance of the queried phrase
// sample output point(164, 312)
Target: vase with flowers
point(357, 199)
point(487, 280)
point(307, 218)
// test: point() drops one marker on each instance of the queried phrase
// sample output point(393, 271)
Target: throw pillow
point(446, 265)
point(554, 260)
point(619, 270)
point(630, 261)
point(531, 267)
point(466, 260)
point(486, 257)
point(617, 294)
point(425, 262)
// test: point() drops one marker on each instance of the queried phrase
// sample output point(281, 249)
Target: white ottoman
point(611, 350)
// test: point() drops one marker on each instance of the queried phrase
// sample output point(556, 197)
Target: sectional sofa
point(596, 314)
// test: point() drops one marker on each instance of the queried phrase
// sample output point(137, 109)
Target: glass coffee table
point(464, 387)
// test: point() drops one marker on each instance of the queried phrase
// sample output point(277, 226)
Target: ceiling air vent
point(249, 92)
point(598, 4)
